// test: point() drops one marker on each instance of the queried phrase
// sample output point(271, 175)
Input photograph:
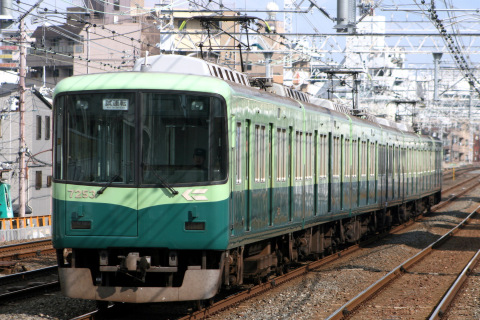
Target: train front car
point(140, 186)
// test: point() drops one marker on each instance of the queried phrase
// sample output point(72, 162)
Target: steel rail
point(365, 295)
point(31, 290)
point(455, 196)
point(26, 250)
point(443, 306)
point(21, 276)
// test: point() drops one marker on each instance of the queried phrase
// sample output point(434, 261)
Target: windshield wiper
point(109, 183)
point(162, 181)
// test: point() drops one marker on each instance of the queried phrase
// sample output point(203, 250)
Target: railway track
point(458, 172)
point(26, 250)
point(430, 274)
point(29, 283)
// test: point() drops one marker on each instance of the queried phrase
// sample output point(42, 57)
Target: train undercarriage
point(255, 262)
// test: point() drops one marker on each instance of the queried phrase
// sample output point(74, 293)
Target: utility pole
point(22, 88)
point(21, 153)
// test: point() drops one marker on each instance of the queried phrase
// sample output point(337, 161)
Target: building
point(38, 139)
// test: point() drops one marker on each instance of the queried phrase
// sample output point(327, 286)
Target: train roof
point(194, 66)
point(189, 65)
point(178, 66)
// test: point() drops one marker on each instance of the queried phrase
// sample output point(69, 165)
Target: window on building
point(39, 127)
point(49, 181)
point(38, 180)
point(47, 127)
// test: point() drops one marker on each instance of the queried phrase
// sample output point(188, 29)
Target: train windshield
point(100, 137)
point(183, 138)
point(180, 138)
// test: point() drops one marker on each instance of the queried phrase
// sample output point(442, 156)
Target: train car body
point(281, 179)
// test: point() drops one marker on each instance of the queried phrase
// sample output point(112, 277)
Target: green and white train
point(178, 178)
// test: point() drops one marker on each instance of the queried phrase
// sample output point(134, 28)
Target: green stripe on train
point(140, 198)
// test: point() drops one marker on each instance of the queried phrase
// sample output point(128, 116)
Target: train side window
point(259, 153)
point(381, 160)
point(390, 161)
point(281, 154)
point(298, 155)
point(363, 164)
point(372, 159)
point(238, 145)
point(346, 164)
point(336, 156)
point(308, 156)
point(354, 158)
point(323, 154)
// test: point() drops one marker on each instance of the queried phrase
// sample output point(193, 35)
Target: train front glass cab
point(140, 194)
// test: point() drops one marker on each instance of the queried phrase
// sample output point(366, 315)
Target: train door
point(308, 185)
point(248, 178)
point(290, 174)
point(336, 175)
point(363, 187)
point(382, 168)
point(407, 171)
point(315, 174)
point(372, 178)
point(389, 175)
point(240, 183)
point(270, 185)
point(323, 169)
point(403, 172)
point(355, 173)
point(331, 150)
point(298, 181)
point(280, 193)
